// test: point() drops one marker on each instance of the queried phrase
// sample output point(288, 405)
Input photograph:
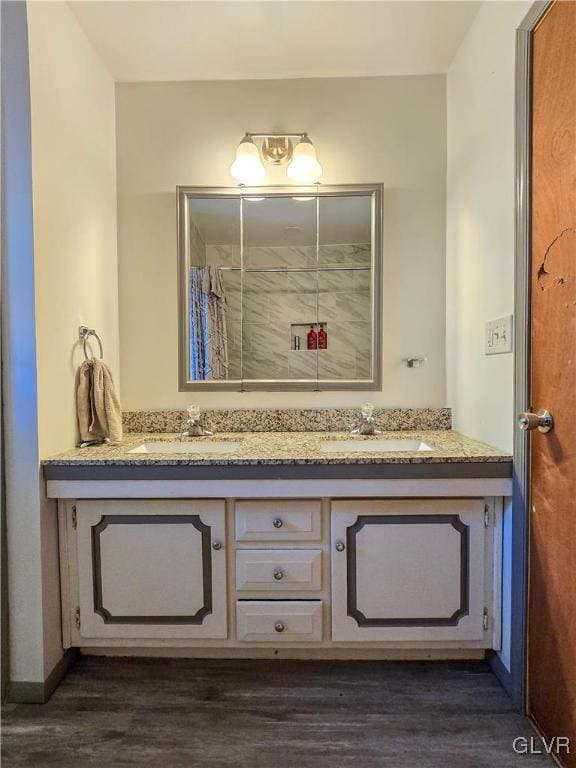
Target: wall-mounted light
point(304, 168)
point(277, 149)
point(247, 167)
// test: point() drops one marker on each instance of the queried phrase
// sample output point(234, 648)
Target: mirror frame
point(186, 193)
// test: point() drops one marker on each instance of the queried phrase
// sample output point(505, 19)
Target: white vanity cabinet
point(323, 577)
point(410, 570)
point(146, 569)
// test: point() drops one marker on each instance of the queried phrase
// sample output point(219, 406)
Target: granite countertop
point(281, 448)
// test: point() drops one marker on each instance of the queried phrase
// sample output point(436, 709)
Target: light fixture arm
point(277, 148)
point(294, 150)
point(250, 135)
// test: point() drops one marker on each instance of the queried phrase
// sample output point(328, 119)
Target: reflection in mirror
point(213, 322)
point(344, 286)
point(280, 288)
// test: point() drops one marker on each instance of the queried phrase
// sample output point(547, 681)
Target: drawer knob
point(277, 522)
point(279, 626)
point(278, 574)
point(340, 546)
point(217, 545)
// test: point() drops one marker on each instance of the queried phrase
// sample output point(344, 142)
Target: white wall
point(388, 129)
point(18, 349)
point(59, 270)
point(480, 239)
point(75, 239)
point(35, 644)
point(480, 221)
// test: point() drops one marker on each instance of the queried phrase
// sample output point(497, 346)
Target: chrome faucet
point(367, 423)
point(194, 426)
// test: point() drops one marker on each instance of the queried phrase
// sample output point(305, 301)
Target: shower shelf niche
point(300, 330)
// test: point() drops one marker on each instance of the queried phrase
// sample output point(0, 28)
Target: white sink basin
point(202, 446)
point(383, 445)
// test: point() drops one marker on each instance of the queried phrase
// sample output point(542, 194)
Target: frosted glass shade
point(247, 167)
point(304, 168)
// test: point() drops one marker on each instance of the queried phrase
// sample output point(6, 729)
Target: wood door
point(148, 569)
point(551, 648)
point(410, 570)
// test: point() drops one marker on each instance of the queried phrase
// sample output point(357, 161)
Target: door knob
point(542, 421)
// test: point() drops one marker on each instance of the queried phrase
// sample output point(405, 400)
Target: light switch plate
point(498, 338)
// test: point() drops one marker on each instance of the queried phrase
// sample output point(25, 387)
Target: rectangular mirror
point(280, 288)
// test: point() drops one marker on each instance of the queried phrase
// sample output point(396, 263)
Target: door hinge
point(77, 618)
point(485, 619)
point(487, 516)
point(74, 517)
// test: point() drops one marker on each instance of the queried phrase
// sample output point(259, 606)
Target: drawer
point(278, 569)
point(279, 621)
point(278, 520)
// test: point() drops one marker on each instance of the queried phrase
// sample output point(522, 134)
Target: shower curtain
point(207, 325)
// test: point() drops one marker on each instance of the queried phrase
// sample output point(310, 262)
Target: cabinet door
point(149, 569)
point(409, 570)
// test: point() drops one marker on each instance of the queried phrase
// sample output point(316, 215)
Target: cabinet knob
point(340, 546)
point(279, 574)
point(277, 522)
point(279, 626)
point(217, 545)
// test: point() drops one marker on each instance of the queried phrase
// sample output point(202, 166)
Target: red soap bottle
point(322, 338)
point(312, 338)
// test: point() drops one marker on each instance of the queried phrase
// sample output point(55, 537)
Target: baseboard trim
point(22, 692)
point(504, 676)
point(304, 654)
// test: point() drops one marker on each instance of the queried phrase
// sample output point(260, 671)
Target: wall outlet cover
point(498, 338)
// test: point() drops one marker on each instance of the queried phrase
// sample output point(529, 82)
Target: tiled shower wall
point(273, 301)
point(197, 247)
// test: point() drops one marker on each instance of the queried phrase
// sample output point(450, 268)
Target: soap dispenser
point(312, 338)
point(322, 338)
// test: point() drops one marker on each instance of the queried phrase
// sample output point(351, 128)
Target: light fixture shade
point(304, 168)
point(247, 167)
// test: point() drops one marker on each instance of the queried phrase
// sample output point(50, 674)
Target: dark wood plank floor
point(260, 714)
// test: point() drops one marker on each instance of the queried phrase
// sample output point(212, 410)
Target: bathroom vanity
point(282, 544)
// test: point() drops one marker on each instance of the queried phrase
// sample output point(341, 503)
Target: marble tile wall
point(289, 419)
point(273, 301)
point(197, 247)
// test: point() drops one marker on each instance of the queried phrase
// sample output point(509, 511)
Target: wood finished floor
point(258, 714)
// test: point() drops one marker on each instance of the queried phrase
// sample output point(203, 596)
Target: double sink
point(352, 445)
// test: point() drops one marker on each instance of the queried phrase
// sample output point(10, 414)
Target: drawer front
point(278, 569)
point(279, 621)
point(278, 520)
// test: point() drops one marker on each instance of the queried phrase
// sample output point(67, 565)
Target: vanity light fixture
point(277, 149)
point(247, 167)
point(304, 168)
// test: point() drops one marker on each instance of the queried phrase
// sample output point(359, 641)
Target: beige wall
point(480, 221)
point(480, 240)
point(388, 129)
point(74, 181)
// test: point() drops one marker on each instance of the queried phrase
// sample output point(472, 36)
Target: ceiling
point(222, 40)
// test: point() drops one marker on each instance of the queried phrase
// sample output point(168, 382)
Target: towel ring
point(84, 334)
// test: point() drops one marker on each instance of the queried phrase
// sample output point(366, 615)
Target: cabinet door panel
point(410, 570)
point(147, 569)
